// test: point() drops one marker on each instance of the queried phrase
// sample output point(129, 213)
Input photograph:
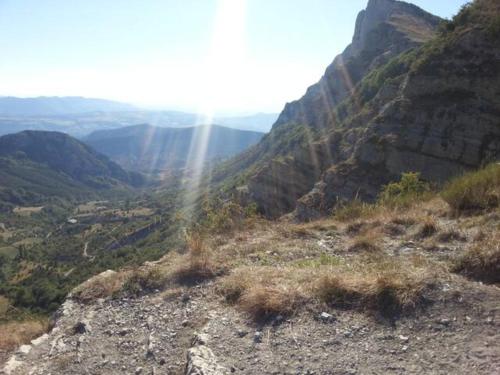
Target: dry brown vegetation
point(367, 242)
point(477, 190)
point(15, 333)
point(198, 264)
point(428, 228)
point(101, 286)
point(373, 258)
point(482, 260)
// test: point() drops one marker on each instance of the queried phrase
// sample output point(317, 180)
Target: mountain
point(146, 148)
point(79, 116)
point(411, 93)
point(260, 122)
point(50, 106)
point(35, 165)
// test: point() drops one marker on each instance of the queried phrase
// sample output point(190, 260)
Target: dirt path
point(84, 253)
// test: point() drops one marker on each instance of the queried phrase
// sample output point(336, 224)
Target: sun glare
point(220, 72)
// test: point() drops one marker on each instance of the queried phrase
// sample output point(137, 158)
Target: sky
point(218, 56)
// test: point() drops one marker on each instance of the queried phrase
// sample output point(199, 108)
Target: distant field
point(9, 251)
point(91, 207)
point(27, 211)
point(27, 241)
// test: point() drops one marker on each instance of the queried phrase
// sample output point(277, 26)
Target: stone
point(257, 337)
point(24, 349)
point(82, 327)
point(326, 317)
point(241, 333)
point(202, 361)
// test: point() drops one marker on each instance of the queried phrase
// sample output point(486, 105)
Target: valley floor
point(251, 304)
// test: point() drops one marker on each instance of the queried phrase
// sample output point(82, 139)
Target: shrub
point(477, 190)
point(404, 192)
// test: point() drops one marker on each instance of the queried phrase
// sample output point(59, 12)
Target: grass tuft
point(388, 291)
point(474, 191)
point(428, 228)
point(366, 243)
point(106, 284)
point(482, 261)
point(353, 210)
point(198, 265)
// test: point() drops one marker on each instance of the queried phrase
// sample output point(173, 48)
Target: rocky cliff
point(406, 95)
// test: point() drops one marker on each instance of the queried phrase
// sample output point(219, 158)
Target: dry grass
point(354, 210)
point(428, 228)
point(198, 264)
point(405, 220)
point(372, 282)
point(367, 242)
point(451, 235)
point(4, 306)
point(482, 261)
point(264, 292)
point(387, 286)
point(103, 285)
point(474, 191)
point(13, 334)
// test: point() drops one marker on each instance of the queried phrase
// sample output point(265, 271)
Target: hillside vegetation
point(39, 166)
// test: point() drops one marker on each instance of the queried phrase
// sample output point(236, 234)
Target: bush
point(478, 190)
point(405, 192)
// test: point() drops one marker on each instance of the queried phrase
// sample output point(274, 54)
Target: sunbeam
point(220, 71)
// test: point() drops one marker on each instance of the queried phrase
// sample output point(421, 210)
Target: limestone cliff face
point(385, 29)
point(402, 97)
point(441, 118)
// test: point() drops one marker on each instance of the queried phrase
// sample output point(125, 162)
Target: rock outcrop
point(402, 97)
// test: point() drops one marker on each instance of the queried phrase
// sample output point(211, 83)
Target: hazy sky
point(208, 55)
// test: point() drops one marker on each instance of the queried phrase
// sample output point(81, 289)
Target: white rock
point(24, 349)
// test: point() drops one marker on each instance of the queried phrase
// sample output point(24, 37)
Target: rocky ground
point(185, 329)
point(157, 334)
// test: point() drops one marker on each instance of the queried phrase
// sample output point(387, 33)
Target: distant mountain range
point(80, 116)
point(150, 148)
point(54, 106)
point(36, 165)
